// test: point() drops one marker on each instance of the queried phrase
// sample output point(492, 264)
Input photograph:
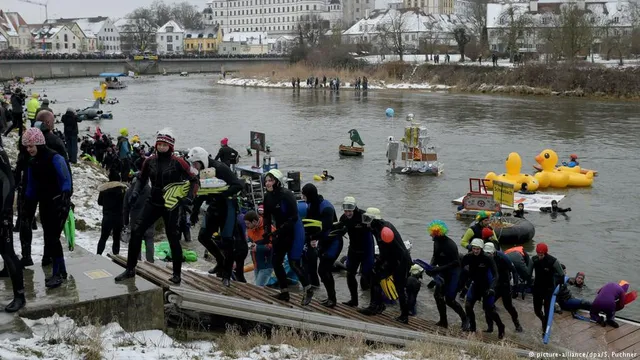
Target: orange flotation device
point(519, 249)
point(629, 296)
point(248, 268)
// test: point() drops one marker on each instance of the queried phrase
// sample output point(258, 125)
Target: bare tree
point(477, 22)
point(311, 30)
point(431, 39)
point(462, 38)
point(138, 34)
point(614, 38)
point(162, 12)
point(569, 32)
point(391, 33)
point(187, 15)
point(515, 24)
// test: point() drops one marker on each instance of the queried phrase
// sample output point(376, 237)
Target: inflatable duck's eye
point(546, 155)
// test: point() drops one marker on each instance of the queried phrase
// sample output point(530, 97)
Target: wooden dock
point(205, 293)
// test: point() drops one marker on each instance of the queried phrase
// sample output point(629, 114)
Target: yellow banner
point(503, 193)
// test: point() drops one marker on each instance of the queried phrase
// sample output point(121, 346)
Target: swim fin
point(389, 288)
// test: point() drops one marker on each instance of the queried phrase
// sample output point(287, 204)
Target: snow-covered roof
point(176, 27)
point(2, 38)
point(47, 31)
point(605, 11)
point(413, 21)
point(252, 38)
point(8, 24)
point(201, 33)
point(89, 27)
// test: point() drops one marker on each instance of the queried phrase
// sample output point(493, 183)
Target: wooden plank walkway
point(568, 333)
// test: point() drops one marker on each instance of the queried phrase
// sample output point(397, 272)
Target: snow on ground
point(266, 83)
point(59, 337)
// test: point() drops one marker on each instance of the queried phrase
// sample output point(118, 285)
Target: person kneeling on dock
point(394, 261)
point(280, 207)
point(163, 168)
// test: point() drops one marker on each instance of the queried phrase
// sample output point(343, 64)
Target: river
point(474, 134)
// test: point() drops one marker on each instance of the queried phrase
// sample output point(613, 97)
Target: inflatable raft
point(538, 168)
point(513, 230)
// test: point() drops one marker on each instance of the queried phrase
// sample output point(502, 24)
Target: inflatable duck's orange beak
point(539, 159)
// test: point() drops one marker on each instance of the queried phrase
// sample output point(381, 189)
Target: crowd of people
point(97, 56)
point(307, 237)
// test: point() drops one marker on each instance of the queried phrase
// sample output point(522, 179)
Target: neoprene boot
point(127, 274)
point(283, 296)
point(17, 303)
point(442, 311)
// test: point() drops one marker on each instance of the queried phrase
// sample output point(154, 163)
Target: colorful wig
point(437, 228)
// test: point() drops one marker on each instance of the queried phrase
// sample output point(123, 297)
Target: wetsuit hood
point(311, 193)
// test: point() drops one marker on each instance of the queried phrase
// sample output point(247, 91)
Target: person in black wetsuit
point(11, 262)
point(519, 212)
point(484, 274)
point(446, 264)
point(221, 215)
point(549, 274)
point(506, 271)
point(49, 184)
point(281, 210)
point(111, 198)
point(227, 155)
point(554, 208)
point(413, 288)
point(328, 246)
point(361, 248)
point(565, 298)
point(162, 168)
point(394, 260)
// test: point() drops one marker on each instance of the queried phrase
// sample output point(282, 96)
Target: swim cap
point(573, 157)
point(482, 215)
point(489, 248)
point(416, 270)
point(477, 243)
point(487, 233)
point(542, 248)
point(224, 141)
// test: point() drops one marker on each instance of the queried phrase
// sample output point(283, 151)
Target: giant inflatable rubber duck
point(513, 164)
point(552, 177)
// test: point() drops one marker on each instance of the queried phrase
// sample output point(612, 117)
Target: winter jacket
point(111, 198)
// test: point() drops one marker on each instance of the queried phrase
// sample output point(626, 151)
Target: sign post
point(503, 193)
point(257, 141)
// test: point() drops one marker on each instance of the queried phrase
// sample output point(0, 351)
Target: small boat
point(583, 171)
point(345, 150)
point(111, 79)
point(184, 73)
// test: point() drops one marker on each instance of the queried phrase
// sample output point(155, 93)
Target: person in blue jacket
point(329, 246)
point(48, 183)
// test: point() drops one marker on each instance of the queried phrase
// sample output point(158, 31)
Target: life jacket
point(518, 249)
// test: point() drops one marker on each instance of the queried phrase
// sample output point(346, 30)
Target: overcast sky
point(80, 8)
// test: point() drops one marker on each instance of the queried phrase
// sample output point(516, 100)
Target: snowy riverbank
point(268, 83)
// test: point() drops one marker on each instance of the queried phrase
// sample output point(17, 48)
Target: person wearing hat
point(573, 161)
point(483, 220)
point(484, 275)
point(123, 150)
point(565, 298)
point(221, 215)
point(70, 121)
point(281, 211)
point(548, 274)
point(49, 184)
point(162, 168)
point(361, 248)
point(446, 264)
point(413, 287)
point(44, 106)
point(506, 272)
point(394, 260)
point(32, 108)
point(11, 263)
point(328, 246)
point(227, 154)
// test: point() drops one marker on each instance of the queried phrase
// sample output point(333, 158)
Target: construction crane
point(45, 5)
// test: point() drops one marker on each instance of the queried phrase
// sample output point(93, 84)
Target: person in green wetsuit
point(475, 231)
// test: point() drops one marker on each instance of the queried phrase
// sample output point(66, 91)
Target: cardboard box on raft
point(532, 202)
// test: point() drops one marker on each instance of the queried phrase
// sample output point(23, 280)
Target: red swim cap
point(542, 248)
point(224, 141)
point(486, 233)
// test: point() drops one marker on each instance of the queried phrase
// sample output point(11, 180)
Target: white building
point(255, 43)
point(354, 10)
point(100, 32)
point(277, 17)
point(415, 26)
point(15, 31)
point(59, 39)
point(170, 38)
point(540, 15)
point(440, 7)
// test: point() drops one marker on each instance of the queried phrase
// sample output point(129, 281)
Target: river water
point(474, 134)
